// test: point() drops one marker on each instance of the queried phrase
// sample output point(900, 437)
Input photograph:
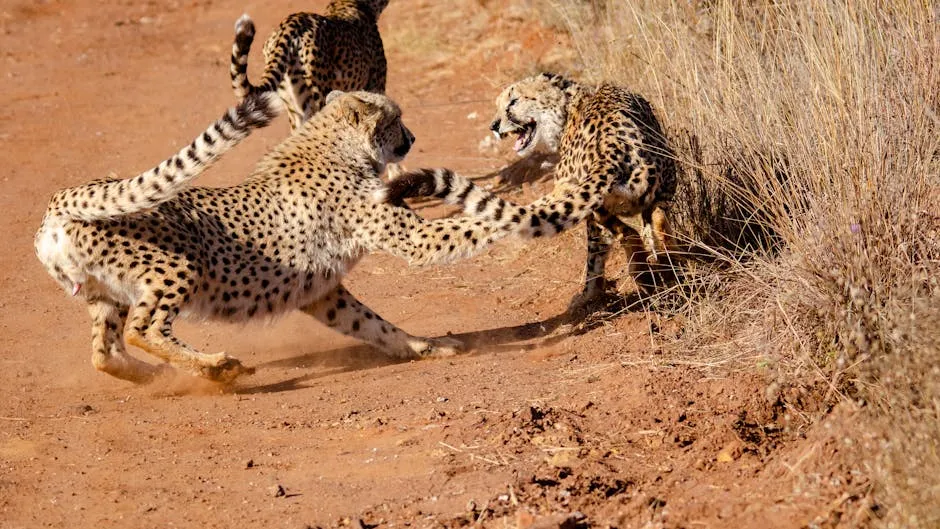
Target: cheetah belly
point(268, 295)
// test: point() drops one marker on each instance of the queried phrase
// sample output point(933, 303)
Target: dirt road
point(531, 424)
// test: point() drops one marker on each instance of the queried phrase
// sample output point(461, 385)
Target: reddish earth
point(535, 427)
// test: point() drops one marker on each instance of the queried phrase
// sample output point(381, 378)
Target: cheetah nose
point(494, 126)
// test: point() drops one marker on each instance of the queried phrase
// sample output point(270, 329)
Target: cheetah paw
point(442, 347)
point(226, 370)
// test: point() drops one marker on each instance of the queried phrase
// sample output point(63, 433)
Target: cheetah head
point(378, 120)
point(534, 109)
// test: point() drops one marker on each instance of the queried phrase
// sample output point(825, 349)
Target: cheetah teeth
point(76, 288)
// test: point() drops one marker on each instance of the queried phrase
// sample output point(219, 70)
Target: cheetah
point(145, 250)
point(614, 161)
point(308, 55)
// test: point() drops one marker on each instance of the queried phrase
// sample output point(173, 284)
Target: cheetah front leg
point(341, 311)
point(151, 330)
point(108, 352)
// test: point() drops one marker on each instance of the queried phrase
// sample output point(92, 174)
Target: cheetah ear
point(360, 113)
point(560, 81)
point(348, 106)
point(333, 95)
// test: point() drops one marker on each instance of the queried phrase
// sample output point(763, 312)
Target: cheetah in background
point(614, 161)
point(148, 249)
point(309, 55)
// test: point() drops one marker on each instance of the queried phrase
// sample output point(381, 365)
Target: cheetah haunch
point(145, 250)
point(614, 161)
point(309, 55)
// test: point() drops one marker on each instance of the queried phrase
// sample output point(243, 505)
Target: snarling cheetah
point(614, 161)
point(148, 249)
point(309, 55)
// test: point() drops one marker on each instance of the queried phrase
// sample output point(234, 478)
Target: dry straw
point(808, 137)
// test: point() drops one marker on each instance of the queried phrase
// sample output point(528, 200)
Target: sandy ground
point(533, 428)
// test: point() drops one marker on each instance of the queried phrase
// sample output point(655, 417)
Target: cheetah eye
point(512, 102)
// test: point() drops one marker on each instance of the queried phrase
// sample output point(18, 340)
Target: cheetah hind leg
point(341, 311)
point(109, 354)
point(656, 234)
point(636, 249)
point(151, 330)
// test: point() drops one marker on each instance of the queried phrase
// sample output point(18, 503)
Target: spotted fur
point(309, 55)
point(614, 161)
point(280, 240)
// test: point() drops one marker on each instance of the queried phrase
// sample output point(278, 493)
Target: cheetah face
point(534, 110)
point(377, 122)
point(393, 139)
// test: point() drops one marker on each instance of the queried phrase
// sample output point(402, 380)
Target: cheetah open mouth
point(526, 135)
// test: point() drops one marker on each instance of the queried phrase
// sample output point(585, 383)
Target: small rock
point(84, 409)
point(473, 115)
point(772, 392)
point(730, 452)
point(250, 463)
point(277, 491)
point(561, 459)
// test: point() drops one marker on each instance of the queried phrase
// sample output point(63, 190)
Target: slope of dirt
point(534, 427)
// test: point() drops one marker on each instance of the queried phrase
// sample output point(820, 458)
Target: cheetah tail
point(244, 36)
point(546, 216)
point(105, 199)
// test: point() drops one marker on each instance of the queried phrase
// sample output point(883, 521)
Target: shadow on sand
point(527, 336)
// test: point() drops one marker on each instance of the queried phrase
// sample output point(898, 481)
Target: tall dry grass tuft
point(809, 137)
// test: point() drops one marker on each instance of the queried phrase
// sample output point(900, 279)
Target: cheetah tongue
point(523, 141)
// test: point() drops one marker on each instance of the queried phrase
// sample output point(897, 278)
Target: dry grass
point(809, 140)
